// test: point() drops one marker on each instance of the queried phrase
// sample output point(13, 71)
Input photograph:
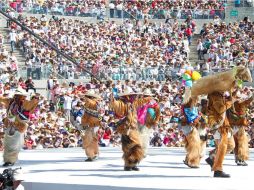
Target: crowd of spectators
point(153, 9)
point(8, 67)
point(107, 49)
point(153, 51)
point(56, 122)
point(158, 9)
point(225, 45)
point(134, 46)
point(60, 7)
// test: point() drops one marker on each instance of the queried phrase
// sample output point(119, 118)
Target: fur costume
point(148, 111)
point(91, 120)
point(90, 143)
point(218, 121)
point(238, 121)
point(219, 82)
point(127, 126)
point(18, 112)
point(190, 122)
point(202, 128)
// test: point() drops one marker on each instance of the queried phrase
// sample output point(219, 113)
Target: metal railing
point(101, 13)
point(68, 11)
point(46, 43)
point(130, 14)
point(164, 14)
point(115, 74)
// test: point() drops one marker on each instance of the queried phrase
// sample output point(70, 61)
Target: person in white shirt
point(205, 69)
point(13, 39)
point(111, 9)
point(216, 21)
point(11, 13)
point(200, 49)
point(43, 18)
point(67, 105)
point(119, 8)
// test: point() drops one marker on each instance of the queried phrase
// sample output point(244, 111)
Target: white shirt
point(44, 19)
point(13, 36)
point(217, 21)
point(67, 102)
point(119, 7)
point(11, 14)
point(200, 46)
point(111, 5)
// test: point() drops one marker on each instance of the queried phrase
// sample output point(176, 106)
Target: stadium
point(108, 94)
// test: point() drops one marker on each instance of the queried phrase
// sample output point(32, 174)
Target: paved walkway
point(62, 169)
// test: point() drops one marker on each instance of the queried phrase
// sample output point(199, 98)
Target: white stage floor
point(65, 169)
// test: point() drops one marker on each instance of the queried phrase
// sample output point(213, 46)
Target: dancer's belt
point(93, 113)
point(235, 116)
point(119, 123)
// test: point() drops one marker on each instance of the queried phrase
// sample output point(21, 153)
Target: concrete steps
point(17, 53)
point(193, 57)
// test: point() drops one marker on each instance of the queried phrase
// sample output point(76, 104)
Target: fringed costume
point(18, 111)
point(190, 125)
point(238, 121)
point(218, 122)
point(214, 86)
point(148, 113)
point(91, 121)
point(128, 128)
point(203, 126)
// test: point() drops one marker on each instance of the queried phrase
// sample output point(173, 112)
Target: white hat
point(5, 53)
point(147, 92)
point(92, 93)
point(127, 92)
point(20, 91)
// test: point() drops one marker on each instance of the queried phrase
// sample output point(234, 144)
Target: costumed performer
point(19, 110)
point(148, 113)
point(90, 122)
point(127, 126)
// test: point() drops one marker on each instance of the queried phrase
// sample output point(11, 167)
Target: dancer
point(238, 120)
point(214, 86)
point(91, 121)
point(190, 123)
point(148, 111)
point(218, 104)
point(203, 127)
point(127, 126)
point(18, 111)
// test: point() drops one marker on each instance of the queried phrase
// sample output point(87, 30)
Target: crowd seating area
point(158, 9)
point(154, 9)
point(226, 45)
point(133, 55)
point(106, 49)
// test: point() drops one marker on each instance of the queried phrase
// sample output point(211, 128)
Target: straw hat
point(127, 92)
point(92, 93)
point(147, 92)
point(21, 92)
